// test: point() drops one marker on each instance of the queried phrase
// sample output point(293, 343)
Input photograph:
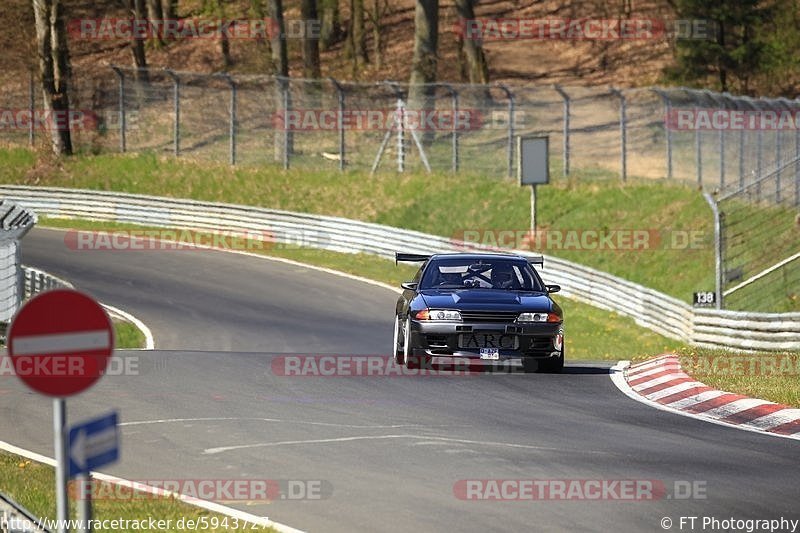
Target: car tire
point(411, 361)
point(530, 365)
point(553, 365)
point(397, 352)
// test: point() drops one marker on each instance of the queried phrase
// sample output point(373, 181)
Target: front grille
point(489, 316)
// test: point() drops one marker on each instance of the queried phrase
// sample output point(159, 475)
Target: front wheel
point(398, 351)
point(553, 365)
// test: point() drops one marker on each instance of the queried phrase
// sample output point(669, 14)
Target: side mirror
point(553, 288)
point(409, 286)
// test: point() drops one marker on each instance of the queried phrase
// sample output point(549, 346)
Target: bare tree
point(423, 69)
point(137, 45)
point(170, 9)
point(311, 67)
point(426, 40)
point(280, 62)
point(380, 9)
point(54, 67)
point(277, 38)
point(215, 9)
point(155, 11)
point(330, 29)
point(472, 59)
point(356, 36)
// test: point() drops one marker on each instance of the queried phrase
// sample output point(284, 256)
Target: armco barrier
point(656, 311)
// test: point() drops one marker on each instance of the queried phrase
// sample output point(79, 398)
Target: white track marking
point(221, 449)
point(141, 487)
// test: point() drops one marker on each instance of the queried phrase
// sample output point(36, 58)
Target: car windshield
point(480, 273)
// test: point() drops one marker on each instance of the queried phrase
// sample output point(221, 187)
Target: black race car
point(480, 306)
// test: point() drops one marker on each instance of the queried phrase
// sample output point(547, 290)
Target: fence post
point(176, 109)
point(340, 120)
point(283, 84)
point(454, 137)
point(510, 97)
point(232, 118)
point(667, 128)
point(31, 107)
point(623, 162)
point(797, 168)
point(720, 106)
point(717, 248)
point(698, 156)
point(566, 113)
point(741, 158)
point(121, 104)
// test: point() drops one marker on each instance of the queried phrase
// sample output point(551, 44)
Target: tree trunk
point(155, 11)
point(280, 61)
point(476, 69)
point(170, 9)
point(426, 39)
point(311, 67)
point(356, 36)
point(277, 39)
point(330, 30)
point(54, 66)
point(379, 10)
point(137, 45)
point(423, 69)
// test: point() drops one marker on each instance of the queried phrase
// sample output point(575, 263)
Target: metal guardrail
point(36, 281)
point(15, 222)
point(649, 308)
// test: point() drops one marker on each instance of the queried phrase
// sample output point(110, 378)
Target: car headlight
point(438, 314)
point(538, 317)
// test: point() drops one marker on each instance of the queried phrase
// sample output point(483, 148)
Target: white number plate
point(492, 354)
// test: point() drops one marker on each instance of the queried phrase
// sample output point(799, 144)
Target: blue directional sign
point(93, 444)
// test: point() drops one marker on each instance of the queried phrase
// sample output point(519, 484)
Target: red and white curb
point(662, 384)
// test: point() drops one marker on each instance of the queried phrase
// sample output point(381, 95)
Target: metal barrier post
point(340, 121)
point(232, 119)
point(31, 107)
point(454, 138)
point(667, 128)
point(566, 113)
point(176, 96)
point(623, 162)
point(510, 97)
point(122, 133)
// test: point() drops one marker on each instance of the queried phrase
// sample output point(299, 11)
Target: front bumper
point(514, 341)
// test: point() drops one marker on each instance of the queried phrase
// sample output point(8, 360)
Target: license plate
point(490, 353)
point(500, 341)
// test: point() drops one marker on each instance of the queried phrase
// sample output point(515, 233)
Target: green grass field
point(32, 485)
point(442, 204)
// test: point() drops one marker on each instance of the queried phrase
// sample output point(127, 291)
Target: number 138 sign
point(704, 298)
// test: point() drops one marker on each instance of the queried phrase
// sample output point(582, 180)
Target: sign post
point(60, 342)
point(92, 444)
point(533, 167)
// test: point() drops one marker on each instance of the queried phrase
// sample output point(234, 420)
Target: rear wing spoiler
point(536, 260)
point(411, 258)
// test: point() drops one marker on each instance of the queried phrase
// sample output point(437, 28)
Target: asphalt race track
point(207, 405)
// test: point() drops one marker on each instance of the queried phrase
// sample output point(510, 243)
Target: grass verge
point(592, 333)
point(127, 336)
point(32, 484)
point(769, 376)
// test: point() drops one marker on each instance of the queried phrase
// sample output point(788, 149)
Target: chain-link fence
point(718, 141)
point(744, 150)
point(760, 242)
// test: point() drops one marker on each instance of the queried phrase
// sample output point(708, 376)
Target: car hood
point(485, 299)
